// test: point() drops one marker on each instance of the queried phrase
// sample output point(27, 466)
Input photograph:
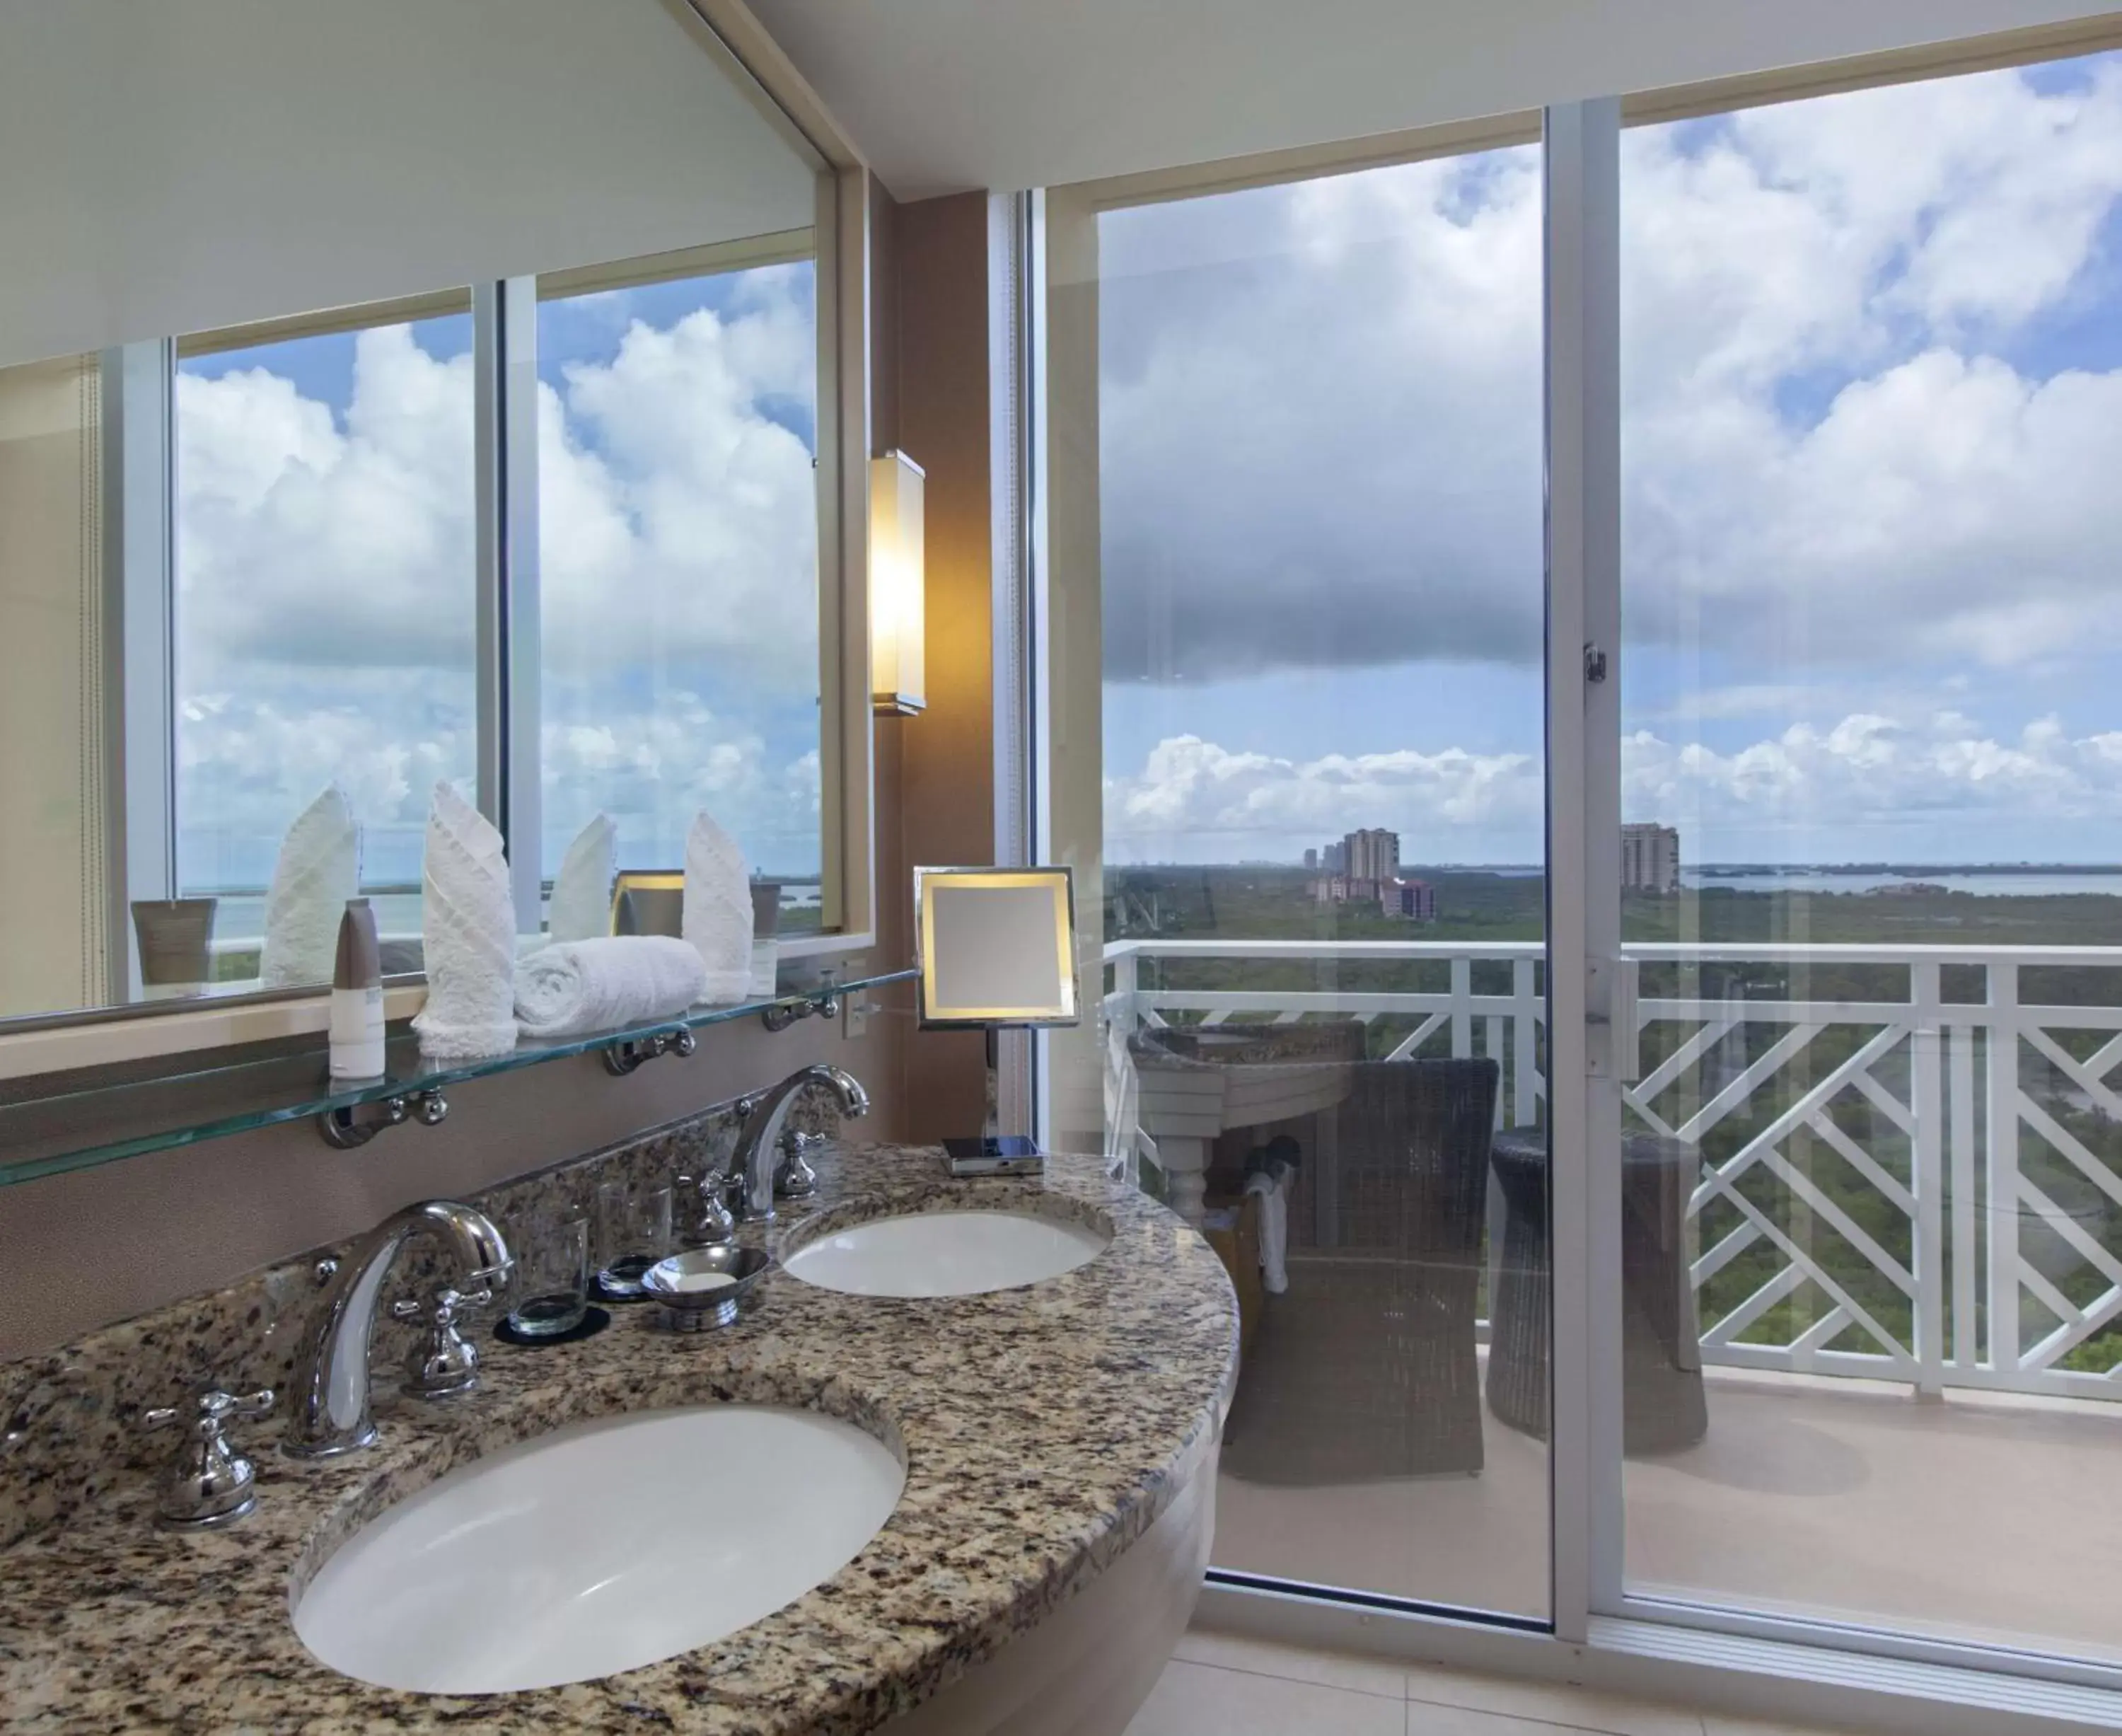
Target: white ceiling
point(947, 95)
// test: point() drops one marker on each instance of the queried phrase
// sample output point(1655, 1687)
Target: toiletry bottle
point(357, 1000)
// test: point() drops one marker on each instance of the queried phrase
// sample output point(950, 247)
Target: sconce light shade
point(898, 583)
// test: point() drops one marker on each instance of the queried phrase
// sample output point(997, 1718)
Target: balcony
point(1903, 1251)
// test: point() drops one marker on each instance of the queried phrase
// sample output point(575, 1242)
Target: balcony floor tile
point(1994, 1518)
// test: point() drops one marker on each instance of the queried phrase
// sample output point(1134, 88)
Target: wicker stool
point(1663, 1405)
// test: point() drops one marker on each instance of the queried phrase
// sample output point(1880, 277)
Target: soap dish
point(705, 1287)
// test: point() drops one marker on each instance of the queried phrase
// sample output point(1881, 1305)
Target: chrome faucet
point(758, 1152)
point(331, 1370)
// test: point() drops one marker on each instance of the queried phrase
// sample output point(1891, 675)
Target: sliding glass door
point(1871, 1259)
point(1317, 477)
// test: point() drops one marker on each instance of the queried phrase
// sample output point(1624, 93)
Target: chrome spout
point(331, 1386)
point(757, 1155)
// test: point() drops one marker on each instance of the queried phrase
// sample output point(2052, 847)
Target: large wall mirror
point(415, 425)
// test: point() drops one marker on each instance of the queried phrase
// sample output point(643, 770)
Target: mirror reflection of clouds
point(325, 603)
point(1872, 376)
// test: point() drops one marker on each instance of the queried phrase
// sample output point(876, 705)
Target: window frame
point(138, 538)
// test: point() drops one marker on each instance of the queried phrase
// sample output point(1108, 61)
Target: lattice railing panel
point(1909, 1187)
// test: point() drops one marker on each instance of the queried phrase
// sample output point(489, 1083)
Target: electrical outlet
point(854, 1017)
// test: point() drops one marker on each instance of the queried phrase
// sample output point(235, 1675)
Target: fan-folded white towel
point(717, 910)
point(467, 926)
point(318, 870)
point(1275, 1227)
point(581, 890)
point(580, 985)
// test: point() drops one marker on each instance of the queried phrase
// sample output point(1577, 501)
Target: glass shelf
point(100, 1117)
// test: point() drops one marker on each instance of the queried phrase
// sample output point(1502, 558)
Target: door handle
point(1613, 1047)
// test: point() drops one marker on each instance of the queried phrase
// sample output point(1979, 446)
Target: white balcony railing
point(1919, 1176)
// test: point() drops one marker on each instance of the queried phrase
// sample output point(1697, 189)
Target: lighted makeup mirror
point(997, 948)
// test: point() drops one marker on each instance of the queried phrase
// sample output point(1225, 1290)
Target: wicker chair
point(1663, 1407)
point(1367, 1369)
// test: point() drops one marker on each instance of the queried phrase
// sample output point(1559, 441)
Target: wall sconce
point(898, 582)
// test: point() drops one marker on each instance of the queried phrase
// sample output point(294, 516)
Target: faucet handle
point(210, 1409)
point(443, 1307)
point(712, 1225)
point(442, 1363)
point(208, 1484)
point(793, 1177)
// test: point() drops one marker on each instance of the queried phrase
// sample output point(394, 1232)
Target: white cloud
point(1939, 783)
point(245, 756)
point(1844, 438)
point(652, 769)
point(1874, 772)
point(298, 543)
point(1872, 252)
point(678, 521)
point(1193, 800)
point(1323, 446)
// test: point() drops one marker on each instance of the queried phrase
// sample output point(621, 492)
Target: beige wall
point(51, 881)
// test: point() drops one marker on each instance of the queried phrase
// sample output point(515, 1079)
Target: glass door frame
point(1593, 1023)
point(1581, 219)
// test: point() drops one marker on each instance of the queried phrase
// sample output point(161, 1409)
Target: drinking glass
point(633, 1232)
point(552, 1278)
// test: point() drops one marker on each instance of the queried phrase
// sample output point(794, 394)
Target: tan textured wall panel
point(946, 754)
point(50, 595)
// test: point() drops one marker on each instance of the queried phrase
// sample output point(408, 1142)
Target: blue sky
point(1870, 355)
point(321, 368)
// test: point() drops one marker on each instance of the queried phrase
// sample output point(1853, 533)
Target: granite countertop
point(1044, 1429)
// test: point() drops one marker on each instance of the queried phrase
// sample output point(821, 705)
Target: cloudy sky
point(325, 538)
point(1872, 381)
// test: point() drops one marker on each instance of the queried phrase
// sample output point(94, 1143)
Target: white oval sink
point(946, 1253)
point(602, 1546)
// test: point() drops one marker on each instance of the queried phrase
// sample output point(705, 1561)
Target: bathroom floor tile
point(1219, 1682)
point(1553, 1703)
point(1294, 1663)
point(1200, 1700)
point(1425, 1719)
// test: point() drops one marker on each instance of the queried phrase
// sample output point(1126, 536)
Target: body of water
point(240, 916)
point(2000, 883)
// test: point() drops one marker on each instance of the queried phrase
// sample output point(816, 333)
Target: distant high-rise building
point(1334, 859)
point(1373, 855)
point(1311, 862)
point(1413, 901)
point(1650, 859)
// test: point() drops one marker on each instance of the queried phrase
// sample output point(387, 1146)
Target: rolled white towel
point(582, 890)
point(468, 929)
point(1275, 1227)
point(717, 910)
point(581, 985)
point(318, 869)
